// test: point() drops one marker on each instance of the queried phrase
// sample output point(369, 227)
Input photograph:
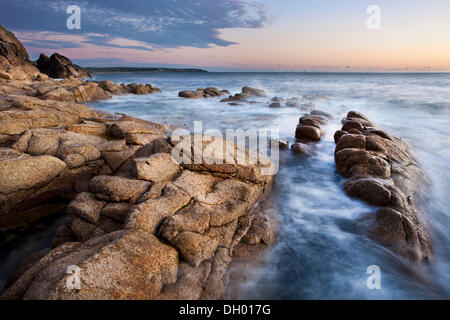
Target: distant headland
point(138, 69)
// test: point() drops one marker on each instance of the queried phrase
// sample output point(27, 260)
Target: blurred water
point(318, 254)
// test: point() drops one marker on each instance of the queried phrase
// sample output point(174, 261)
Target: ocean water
point(318, 253)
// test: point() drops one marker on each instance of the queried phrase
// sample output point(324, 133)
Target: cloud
point(136, 24)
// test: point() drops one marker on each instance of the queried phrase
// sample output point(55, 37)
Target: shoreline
point(124, 195)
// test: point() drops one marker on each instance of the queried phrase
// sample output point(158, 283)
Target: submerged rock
point(247, 92)
point(275, 105)
point(300, 148)
point(202, 93)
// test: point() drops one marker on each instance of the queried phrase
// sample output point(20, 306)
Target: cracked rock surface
point(140, 235)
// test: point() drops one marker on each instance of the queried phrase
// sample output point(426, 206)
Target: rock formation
point(139, 225)
point(51, 149)
point(202, 93)
point(14, 60)
point(382, 172)
point(156, 229)
point(309, 130)
point(246, 93)
point(60, 67)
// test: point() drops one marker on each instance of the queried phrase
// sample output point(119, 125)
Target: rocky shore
point(139, 225)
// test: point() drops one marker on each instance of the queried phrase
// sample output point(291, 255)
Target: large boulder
point(27, 183)
point(309, 130)
point(58, 66)
point(127, 264)
point(24, 172)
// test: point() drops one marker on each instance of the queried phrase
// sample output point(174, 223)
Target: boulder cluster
point(49, 150)
point(202, 93)
point(277, 102)
point(309, 131)
point(382, 172)
point(246, 93)
point(154, 229)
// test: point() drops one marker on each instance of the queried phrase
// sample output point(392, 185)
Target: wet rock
point(249, 91)
point(300, 148)
point(314, 121)
point(309, 129)
point(338, 134)
point(293, 102)
point(202, 93)
point(384, 174)
point(246, 93)
point(308, 133)
point(353, 161)
point(356, 141)
point(321, 114)
point(191, 94)
point(140, 88)
point(275, 105)
point(349, 125)
point(282, 144)
point(370, 190)
point(112, 87)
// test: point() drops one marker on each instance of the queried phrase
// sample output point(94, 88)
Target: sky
point(240, 35)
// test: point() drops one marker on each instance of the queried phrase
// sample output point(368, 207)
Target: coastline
point(111, 155)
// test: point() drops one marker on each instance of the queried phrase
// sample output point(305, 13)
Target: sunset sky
point(236, 35)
